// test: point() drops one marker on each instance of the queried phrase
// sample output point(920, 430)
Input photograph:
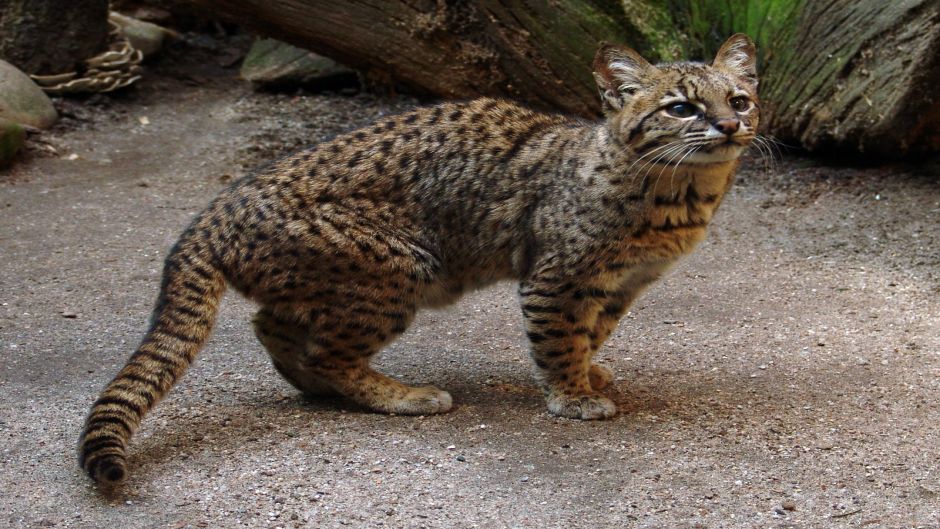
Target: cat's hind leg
point(341, 336)
point(285, 342)
point(349, 334)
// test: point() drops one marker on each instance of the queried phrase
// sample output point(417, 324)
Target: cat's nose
point(727, 126)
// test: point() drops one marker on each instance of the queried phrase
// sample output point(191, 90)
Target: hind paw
point(586, 407)
point(425, 400)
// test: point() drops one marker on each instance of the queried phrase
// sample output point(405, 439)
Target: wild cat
point(342, 243)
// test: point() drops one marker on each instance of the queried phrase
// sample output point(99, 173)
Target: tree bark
point(52, 36)
point(858, 75)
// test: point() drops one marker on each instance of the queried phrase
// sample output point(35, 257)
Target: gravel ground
point(785, 375)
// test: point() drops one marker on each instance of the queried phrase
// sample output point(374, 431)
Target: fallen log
point(858, 75)
point(845, 75)
point(536, 51)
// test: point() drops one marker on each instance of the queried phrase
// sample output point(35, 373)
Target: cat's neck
point(654, 176)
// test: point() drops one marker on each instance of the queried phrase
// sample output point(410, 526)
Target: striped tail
point(181, 322)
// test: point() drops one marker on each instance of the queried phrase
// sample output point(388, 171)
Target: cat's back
point(393, 156)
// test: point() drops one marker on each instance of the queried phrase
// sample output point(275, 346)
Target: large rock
point(22, 101)
point(274, 63)
point(52, 36)
point(12, 136)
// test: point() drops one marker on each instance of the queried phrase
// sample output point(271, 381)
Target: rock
point(52, 36)
point(275, 64)
point(22, 101)
point(144, 36)
point(12, 136)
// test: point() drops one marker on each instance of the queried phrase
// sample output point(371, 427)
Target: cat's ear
point(620, 72)
point(738, 56)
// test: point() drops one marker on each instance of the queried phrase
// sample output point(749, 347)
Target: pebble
point(788, 505)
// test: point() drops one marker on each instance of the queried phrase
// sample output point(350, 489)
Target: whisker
point(658, 152)
point(692, 150)
point(672, 156)
point(652, 163)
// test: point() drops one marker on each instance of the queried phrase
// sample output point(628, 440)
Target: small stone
point(69, 314)
point(788, 505)
point(461, 458)
point(524, 479)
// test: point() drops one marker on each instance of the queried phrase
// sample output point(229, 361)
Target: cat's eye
point(682, 110)
point(740, 103)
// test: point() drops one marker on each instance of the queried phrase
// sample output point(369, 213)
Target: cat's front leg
point(612, 310)
point(560, 321)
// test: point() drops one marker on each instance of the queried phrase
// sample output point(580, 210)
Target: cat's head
point(681, 112)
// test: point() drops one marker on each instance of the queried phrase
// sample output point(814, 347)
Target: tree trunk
point(52, 36)
point(859, 75)
point(532, 50)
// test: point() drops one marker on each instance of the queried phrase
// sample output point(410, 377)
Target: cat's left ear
point(738, 56)
point(620, 72)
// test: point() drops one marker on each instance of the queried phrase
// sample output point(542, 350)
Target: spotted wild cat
point(342, 243)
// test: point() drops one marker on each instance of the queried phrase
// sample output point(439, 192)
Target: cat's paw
point(586, 407)
point(600, 377)
point(425, 400)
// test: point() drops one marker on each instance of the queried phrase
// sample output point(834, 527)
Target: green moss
point(12, 136)
point(652, 23)
point(707, 23)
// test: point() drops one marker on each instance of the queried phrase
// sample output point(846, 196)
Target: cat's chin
point(721, 154)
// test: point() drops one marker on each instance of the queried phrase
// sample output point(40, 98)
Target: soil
point(787, 374)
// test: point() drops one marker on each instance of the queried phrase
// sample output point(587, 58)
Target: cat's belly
point(448, 290)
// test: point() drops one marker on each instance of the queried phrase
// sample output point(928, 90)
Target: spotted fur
point(342, 243)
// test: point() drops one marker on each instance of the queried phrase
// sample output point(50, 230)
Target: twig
point(844, 514)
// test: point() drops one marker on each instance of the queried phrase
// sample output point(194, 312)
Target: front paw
point(586, 407)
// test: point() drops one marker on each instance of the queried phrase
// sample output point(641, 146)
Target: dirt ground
point(785, 375)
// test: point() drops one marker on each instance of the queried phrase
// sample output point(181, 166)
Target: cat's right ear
point(619, 72)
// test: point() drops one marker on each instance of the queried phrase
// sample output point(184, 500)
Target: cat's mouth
point(724, 151)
